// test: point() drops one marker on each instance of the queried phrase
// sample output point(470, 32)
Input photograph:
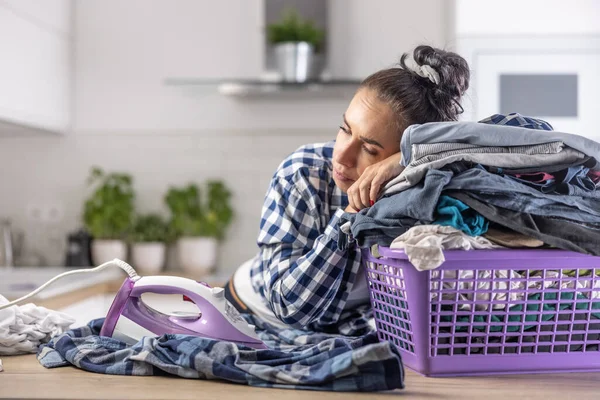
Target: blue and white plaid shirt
point(299, 270)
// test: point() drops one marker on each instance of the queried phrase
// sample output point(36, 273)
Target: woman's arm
point(305, 274)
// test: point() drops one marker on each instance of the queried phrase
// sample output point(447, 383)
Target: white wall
point(126, 119)
point(119, 70)
point(519, 17)
point(370, 35)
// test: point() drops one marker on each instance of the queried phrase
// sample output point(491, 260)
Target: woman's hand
point(364, 191)
point(351, 210)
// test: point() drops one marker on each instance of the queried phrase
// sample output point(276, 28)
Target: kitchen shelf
point(249, 87)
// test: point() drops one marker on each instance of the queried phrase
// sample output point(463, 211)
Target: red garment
point(594, 176)
point(535, 177)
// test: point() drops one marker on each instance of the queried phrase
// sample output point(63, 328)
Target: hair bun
point(452, 68)
point(451, 79)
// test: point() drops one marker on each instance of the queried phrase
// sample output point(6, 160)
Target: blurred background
point(180, 111)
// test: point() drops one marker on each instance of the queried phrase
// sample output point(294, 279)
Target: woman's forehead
point(368, 114)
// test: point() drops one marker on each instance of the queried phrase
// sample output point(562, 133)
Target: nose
point(348, 153)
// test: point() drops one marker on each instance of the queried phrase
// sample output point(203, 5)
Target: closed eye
point(346, 130)
point(369, 151)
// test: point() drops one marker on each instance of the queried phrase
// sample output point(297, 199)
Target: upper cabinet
point(35, 72)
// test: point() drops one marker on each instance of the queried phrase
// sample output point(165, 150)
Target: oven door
point(555, 80)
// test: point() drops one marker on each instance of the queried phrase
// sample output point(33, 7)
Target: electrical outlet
point(34, 212)
point(51, 213)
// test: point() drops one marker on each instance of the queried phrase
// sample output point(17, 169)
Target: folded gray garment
point(412, 175)
point(428, 152)
point(587, 162)
point(481, 134)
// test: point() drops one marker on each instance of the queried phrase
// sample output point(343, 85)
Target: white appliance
point(549, 77)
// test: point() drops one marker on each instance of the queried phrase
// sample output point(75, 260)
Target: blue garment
point(455, 213)
point(296, 359)
point(572, 181)
point(557, 232)
point(299, 271)
point(486, 134)
point(506, 193)
point(516, 119)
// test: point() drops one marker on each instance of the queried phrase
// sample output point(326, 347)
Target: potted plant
point(148, 237)
point(108, 214)
point(199, 220)
point(297, 45)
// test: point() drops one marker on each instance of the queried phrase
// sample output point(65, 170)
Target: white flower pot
point(148, 258)
point(197, 255)
point(107, 250)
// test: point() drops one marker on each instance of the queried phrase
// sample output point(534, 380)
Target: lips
point(341, 176)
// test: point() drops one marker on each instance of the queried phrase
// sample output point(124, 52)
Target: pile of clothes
point(24, 328)
point(508, 181)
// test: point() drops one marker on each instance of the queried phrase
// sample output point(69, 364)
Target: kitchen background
point(121, 84)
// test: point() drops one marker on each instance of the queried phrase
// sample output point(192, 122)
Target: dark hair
point(416, 99)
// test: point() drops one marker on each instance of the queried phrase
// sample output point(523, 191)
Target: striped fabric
point(428, 152)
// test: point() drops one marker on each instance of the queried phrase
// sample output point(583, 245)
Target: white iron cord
point(114, 263)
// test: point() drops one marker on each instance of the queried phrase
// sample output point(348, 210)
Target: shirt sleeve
point(305, 274)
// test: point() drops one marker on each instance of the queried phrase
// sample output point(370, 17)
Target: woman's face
point(367, 135)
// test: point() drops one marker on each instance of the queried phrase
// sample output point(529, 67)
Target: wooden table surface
point(25, 378)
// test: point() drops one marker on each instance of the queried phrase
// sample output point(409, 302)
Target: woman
point(299, 277)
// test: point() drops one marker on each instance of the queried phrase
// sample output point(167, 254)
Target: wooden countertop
point(25, 378)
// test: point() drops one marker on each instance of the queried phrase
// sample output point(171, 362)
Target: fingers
point(376, 184)
point(359, 192)
point(364, 190)
point(354, 197)
point(351, 210)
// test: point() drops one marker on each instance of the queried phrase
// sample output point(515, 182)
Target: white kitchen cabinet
point(52, 14)
point(35, 72)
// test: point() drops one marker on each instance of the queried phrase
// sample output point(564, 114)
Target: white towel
point(425, 244)
point(24, 328)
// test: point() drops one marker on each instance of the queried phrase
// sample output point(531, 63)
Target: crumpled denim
point(512, 195)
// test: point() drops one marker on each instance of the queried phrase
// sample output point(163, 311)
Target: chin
point(344, 186)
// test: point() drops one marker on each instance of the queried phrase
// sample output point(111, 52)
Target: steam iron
point(156, 305)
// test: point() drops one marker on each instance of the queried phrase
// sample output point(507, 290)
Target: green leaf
point(108, 212)
point(150, 228)
point(292, 28)
point(199, 212)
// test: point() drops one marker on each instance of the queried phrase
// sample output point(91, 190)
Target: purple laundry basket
point(486, 312)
